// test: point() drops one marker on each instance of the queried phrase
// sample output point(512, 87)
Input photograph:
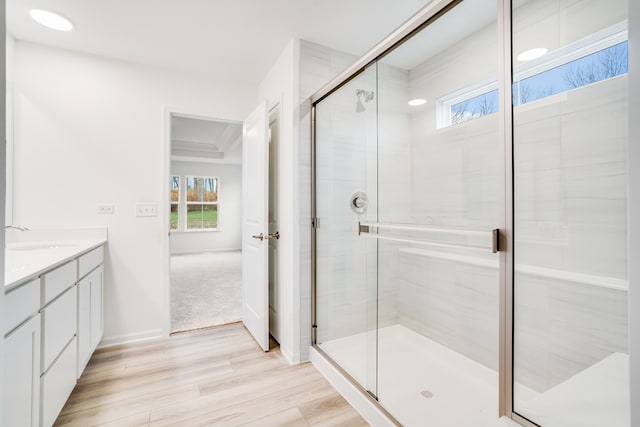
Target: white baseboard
point(200, 251)
point(131, 338)
point(361, 403)
point(291, 357)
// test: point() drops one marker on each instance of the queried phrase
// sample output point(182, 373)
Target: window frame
point(177, 204)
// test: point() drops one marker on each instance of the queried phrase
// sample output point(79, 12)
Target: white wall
point(280, 86)
point(228, 237)
point(89, 130)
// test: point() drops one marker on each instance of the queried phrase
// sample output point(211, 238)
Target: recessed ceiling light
point(531, 54)
point(51, 20)
point(417, 102)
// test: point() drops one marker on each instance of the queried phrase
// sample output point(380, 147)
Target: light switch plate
point(146, 209)
point(105, 209)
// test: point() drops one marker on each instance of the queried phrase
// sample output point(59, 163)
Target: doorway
point(205, 204)
point(274, 182)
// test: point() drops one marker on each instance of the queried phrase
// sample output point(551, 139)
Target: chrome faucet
point(17, 227)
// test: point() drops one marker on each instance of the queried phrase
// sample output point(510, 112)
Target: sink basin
point(34, 246)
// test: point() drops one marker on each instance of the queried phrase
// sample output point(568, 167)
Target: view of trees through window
point(604, 64)
point(200, 203)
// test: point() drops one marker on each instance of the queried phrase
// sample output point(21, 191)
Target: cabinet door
point(21, 388)
point(97, 317)
point(84, 323)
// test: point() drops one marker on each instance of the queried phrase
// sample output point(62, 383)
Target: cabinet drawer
point(59, 324)
point(56, 281)
point(20, 304)
point(57, 384)
point(89, 261)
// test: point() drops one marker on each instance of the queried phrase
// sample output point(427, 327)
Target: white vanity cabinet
point(52, 325)
point(21, 390)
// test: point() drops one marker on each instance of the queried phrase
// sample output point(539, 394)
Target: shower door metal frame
point(416, 23)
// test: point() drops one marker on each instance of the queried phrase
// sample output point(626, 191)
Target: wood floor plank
point(137, 420)
point(288, 418)
point(325, 408)
point(213, 377)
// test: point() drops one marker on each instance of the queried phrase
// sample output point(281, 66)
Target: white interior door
point(255, 197)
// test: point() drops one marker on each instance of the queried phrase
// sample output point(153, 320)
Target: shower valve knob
point(359, 202)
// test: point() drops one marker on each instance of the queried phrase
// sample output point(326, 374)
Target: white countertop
point(31, 253)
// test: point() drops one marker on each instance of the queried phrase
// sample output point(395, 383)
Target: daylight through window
point(194, 203)
point(601, 57)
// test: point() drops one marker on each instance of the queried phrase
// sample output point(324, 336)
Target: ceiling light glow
point(417, 102)
point(51, 20)
point(531, 54)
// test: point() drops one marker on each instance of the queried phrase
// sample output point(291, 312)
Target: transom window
point(599, 57)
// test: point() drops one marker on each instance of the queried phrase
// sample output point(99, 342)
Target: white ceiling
point(235, 41)
point(197, 139)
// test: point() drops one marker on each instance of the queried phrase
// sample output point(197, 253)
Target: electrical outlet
point(105, 209)
point(146, 209)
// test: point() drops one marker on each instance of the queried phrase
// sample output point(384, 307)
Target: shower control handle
point(359, 202)
point(259, 237)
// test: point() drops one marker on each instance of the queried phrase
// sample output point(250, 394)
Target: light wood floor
point(211, 377)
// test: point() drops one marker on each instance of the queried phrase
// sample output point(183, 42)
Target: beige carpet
point(206, 289)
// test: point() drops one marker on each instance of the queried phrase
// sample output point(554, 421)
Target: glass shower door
point(346, 195)
point(570, 117)
point(440, 177)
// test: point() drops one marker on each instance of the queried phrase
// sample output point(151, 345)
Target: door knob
point(275, 235)
point(259, 237)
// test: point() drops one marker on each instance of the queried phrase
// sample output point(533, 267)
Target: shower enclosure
point(470, 229)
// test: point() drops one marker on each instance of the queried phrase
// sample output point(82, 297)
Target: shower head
point(363, 95)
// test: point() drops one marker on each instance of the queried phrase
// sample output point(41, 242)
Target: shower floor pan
point(423, 383)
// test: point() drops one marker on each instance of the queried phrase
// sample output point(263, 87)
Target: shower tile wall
point(572, 186)
point(395, 181)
